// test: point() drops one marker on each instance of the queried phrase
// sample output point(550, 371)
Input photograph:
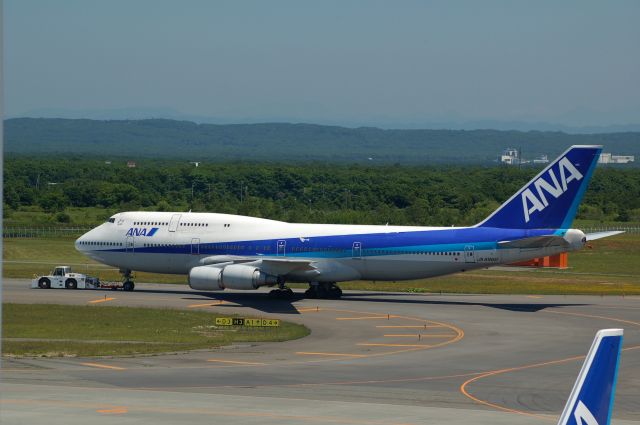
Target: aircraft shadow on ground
point(517, 307)
point(263, 302)
point(258, 301)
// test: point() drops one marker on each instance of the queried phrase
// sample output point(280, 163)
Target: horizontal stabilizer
point(535, 242)
point(600, 235)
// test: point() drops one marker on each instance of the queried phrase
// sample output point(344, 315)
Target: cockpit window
point(112, 220)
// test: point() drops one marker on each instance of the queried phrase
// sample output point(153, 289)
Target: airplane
point(591, 399)
point(222, 251)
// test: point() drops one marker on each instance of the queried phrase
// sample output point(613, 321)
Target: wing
point(270, 265)
point(283, 266)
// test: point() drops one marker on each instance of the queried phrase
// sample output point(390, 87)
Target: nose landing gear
point(127, 281)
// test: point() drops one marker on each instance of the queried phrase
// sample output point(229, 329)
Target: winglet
point(550, 200)
point(591, 400)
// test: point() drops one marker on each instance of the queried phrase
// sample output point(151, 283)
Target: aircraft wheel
point(322, 292)
point(335, 292)
point(283, 294)
point(128, 286)
point(44, 283)
point(311, 293)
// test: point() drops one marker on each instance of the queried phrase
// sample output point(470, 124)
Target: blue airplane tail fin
point(550, 200)
point(591, 400)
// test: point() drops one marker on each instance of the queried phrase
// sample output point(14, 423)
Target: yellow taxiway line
point(113, 411)
point(101, 300)
point(371, 344)
point(209, 304)
point(103, 366)
point(236, 362)
point(418, 336)
point(366, 318)
point(305, 353)
point(410, 326)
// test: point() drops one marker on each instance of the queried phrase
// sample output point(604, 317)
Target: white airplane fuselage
point(165, 242)
point(219, 251)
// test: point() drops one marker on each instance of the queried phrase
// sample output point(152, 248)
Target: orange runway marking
point(595, 317)
point(236, 362)
point(463, 387)
point(371, 344)
point(205, 304)
point(305, 353)
point(534, 296)
point(307, 309)
point(103, 366)
point(411, 326)
point(100, 300)
point(113, 411)
point(418, 336)
point(366, 317)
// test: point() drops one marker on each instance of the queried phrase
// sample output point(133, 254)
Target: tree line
point(312, 192)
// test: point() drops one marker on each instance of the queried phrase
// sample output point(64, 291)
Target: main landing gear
point(127, 281)
point(283, 292)
point(323, 290)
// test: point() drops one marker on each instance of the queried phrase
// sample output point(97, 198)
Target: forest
point(311, 192)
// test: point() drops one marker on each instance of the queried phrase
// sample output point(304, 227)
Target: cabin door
point(195, 246)
point(356, 250)
point(282, 245)
point(129, 244)
point(173, 224)
point(469, 254)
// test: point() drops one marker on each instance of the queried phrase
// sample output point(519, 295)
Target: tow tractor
point(63, 277)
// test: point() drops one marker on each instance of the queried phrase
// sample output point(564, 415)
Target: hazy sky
point(387, 63)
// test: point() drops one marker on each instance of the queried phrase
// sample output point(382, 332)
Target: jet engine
point(234, 276)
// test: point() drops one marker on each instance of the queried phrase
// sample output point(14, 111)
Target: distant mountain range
point(141, 112)
point(283, 142)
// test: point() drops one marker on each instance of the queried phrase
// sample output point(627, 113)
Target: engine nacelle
point(233, 276)
point(206, 278)
point(238, 276)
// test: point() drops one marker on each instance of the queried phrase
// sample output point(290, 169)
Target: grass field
point(57, 330)
point(611, 267)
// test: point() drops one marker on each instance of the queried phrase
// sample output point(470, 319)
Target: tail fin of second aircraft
point(591, 400)
point(550, 200)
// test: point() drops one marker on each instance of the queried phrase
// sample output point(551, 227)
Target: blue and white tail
point(591, 400)
point(550, 200)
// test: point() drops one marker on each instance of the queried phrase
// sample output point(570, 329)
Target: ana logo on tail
point(591, 398)
point(532, 203)
point(583, 415)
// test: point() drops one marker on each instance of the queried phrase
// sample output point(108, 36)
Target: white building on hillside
point(510, 156)
point(608, 158)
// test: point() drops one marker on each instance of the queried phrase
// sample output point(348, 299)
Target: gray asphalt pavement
point(372, 358)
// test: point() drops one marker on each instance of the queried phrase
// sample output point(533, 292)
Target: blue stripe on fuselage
point(337, 246)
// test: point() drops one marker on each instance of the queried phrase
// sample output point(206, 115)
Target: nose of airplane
point(82, 240)
point(78, 243)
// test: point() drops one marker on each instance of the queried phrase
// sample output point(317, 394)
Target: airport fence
point(632, 230)
point(43, 232)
